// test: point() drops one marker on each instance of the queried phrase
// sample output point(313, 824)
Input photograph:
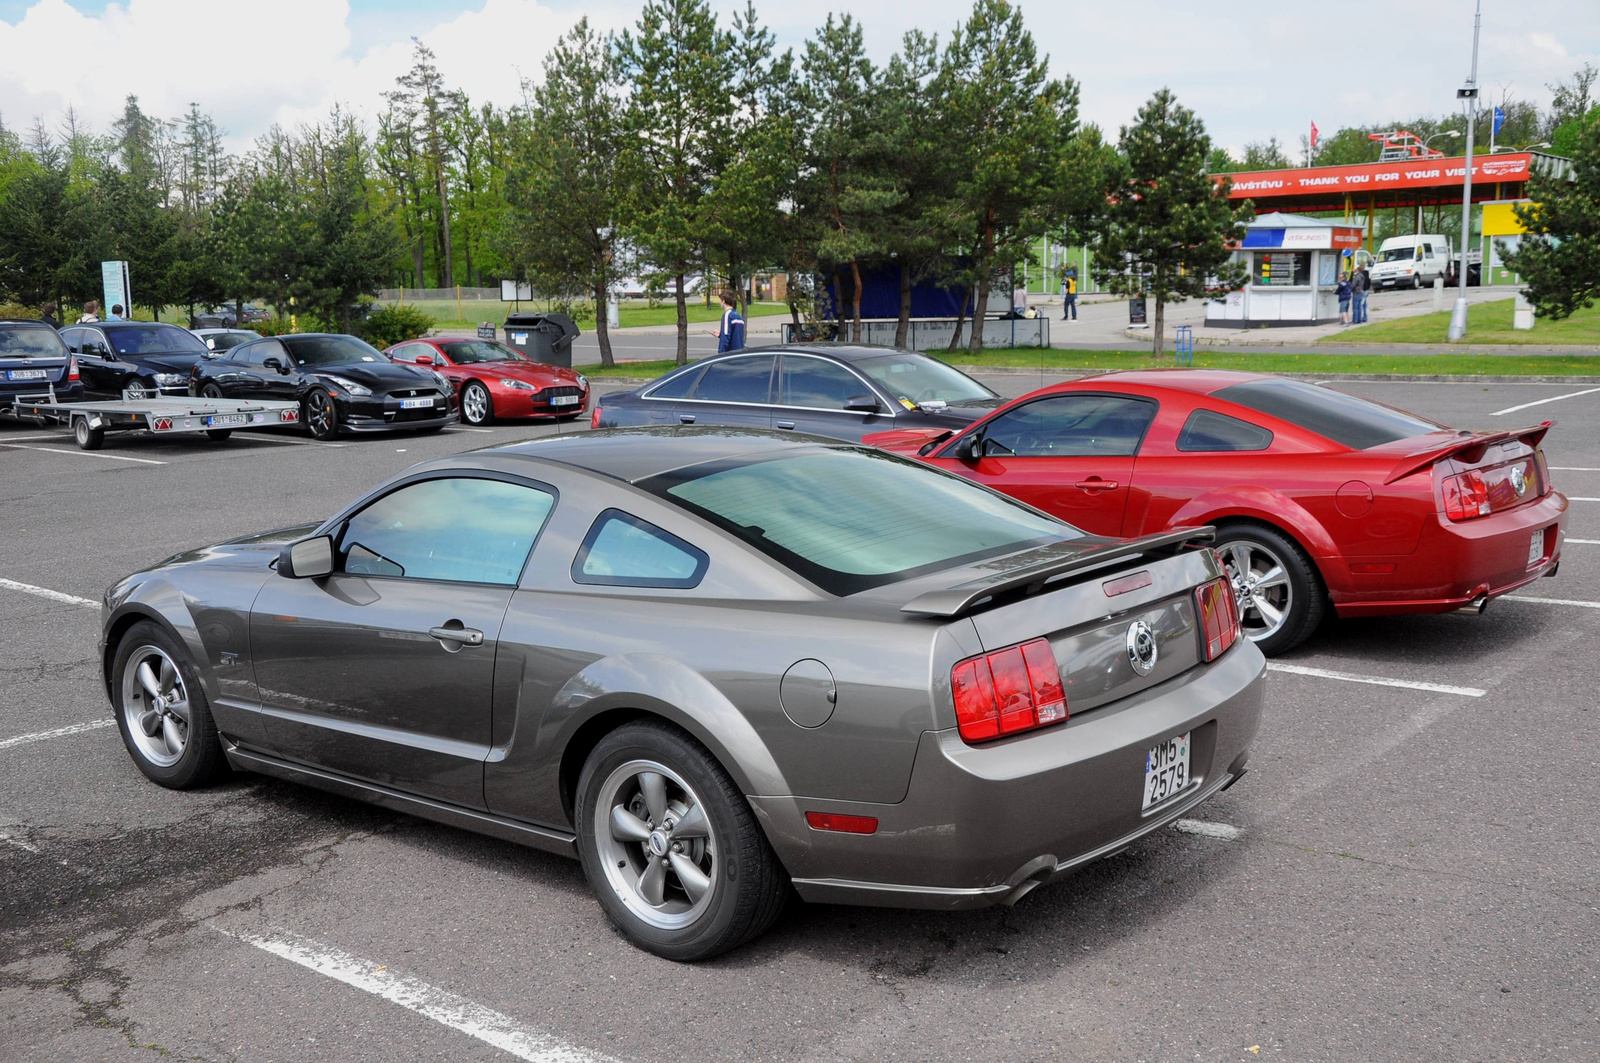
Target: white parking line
point(1585, 542)
point(1541, 402)
point(464, 428)
point(440, 1005)
point(1220, 831)
point(83, 453)
point(46, 592)
point(19, 843)
point(1374, 680)
point(1581, 498)
point(1573, 468)
point(1551, 601)
point(254, 438)
point(59, 732)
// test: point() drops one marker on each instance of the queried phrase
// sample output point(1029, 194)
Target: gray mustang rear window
point(1356, 423)
point(852, 519)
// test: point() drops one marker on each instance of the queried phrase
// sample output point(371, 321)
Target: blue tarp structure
point(880, 295)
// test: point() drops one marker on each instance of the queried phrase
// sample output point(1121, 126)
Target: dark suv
point(145, 359)
point(34, 361)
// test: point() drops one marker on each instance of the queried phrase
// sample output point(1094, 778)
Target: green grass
point(1486, 323)
point(474, 311)
point(1329, 364)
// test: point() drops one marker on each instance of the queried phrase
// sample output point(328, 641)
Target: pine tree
point(1560, 255)
point(1166, 231)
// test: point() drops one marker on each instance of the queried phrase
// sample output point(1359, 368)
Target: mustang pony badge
point(1142, 648)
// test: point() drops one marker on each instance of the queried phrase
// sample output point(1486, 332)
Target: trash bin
point(544, 338)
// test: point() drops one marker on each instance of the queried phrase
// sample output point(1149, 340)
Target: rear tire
point(1280, 593)
point(161, 710)
point(210, 391)
point(649, 789)
point(86, 437)
point(218, 434)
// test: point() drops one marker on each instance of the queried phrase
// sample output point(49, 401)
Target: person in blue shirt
point(730, 334)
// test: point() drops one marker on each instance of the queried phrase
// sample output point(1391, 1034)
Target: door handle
point(686, 418)
point(785, 424)
point(461, 636)
point(1094, 483)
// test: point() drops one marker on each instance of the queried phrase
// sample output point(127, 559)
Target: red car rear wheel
point(1281, 597)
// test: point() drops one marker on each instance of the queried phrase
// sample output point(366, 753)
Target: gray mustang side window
point(462, 529)
point(623, 551)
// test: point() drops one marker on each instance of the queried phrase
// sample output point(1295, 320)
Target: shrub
point(18, 310)
point(389, 325)
point(273, 326)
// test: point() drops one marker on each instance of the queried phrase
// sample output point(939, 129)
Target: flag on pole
point(1313, 136)
point(1499, 120)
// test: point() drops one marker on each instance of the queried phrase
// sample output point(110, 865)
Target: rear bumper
point(983, 825)
point(1456, 563)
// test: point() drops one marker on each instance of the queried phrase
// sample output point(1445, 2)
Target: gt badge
point(1142, 648)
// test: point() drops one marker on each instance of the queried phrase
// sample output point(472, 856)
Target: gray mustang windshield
point(848, 520)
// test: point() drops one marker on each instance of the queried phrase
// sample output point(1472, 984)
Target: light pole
point(1469, 95)
point(1441, 133)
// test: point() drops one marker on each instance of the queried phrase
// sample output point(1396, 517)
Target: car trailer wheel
point(88, 438)
point(219, 434)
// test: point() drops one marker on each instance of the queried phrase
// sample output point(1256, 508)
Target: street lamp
point(1468, 94)
point(1525, 147)
point(1444, 133)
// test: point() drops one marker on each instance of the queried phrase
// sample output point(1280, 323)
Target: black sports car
point(342, 384)
point(143, 359)
point(825, 389)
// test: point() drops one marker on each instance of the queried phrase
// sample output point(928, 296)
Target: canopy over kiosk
point(1293, 263)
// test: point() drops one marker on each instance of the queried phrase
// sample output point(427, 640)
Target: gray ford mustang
point(711, 664)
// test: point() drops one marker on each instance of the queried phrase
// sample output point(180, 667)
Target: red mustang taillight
point(1466, 496)
point(1219, 617)
point(1010, 690)
point(594, 416)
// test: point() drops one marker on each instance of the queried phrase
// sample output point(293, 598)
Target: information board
point(1276, 269)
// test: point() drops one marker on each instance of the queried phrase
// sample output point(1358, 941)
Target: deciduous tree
point(1559, 256)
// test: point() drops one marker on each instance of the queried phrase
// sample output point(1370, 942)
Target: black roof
point(844, 352)
point(633, 454)
point(24, 321)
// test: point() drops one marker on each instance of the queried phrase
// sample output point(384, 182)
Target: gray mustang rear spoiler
point(954, 601)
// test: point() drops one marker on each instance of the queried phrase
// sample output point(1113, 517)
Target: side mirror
point(863, 404)
point(272, 363)
point(307, 559)
point(424, 359)
point(968, 447)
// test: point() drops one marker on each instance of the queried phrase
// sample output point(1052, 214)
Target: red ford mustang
point(1320, 498)
point(493, 380)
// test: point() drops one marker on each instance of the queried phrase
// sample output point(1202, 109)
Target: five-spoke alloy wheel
point(1279, 593)
point(670, 845)
point(162, 711)
point(321, 415)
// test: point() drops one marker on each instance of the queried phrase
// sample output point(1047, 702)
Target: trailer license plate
point(218, 420)
point(1536, 547)
point(26, 374)
point(564, 400)
point(416, 404)
point(1166, 769)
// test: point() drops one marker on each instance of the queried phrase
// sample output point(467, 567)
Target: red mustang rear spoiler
point(1469, 447)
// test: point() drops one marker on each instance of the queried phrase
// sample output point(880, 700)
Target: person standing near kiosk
point(1360, 287)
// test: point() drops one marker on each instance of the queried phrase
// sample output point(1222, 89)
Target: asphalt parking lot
point(1408, 871)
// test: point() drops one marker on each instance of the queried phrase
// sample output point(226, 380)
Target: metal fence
point(433, 295)
point(929, 334)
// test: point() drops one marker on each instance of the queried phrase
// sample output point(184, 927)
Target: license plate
point(1166, 769)
point(26, 374)
point(416, 404)
point(564, 400)
point(217, 420)
point(1536, 547)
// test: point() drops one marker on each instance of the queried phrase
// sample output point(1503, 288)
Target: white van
point(1411, 261)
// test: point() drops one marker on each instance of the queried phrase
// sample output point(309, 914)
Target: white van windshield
point(1397, 254)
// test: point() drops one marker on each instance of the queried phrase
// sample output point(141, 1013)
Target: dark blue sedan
point(841, 391)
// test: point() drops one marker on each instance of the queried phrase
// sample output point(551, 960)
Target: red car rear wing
point(1470, 448)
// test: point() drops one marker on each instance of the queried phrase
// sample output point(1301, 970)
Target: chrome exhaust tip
point(1476, 606)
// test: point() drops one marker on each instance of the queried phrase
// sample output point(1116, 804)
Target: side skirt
point(542, 838)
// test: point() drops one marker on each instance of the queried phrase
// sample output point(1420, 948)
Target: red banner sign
point(1375, 176)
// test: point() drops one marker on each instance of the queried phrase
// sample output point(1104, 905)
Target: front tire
point(162, 712)
point(1280, 594)
point(210, 390)
point(477, 407)
point(671, 848)
point(321, 415)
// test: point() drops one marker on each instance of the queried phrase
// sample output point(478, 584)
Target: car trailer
point(91, 420)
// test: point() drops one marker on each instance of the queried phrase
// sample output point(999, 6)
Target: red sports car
point(1320, 498)
point(494, 381)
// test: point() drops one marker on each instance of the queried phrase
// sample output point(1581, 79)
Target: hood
point(379, 376)
point(906, 441)
point(259, 548)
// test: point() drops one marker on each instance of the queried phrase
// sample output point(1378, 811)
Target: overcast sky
point(1251, 69)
